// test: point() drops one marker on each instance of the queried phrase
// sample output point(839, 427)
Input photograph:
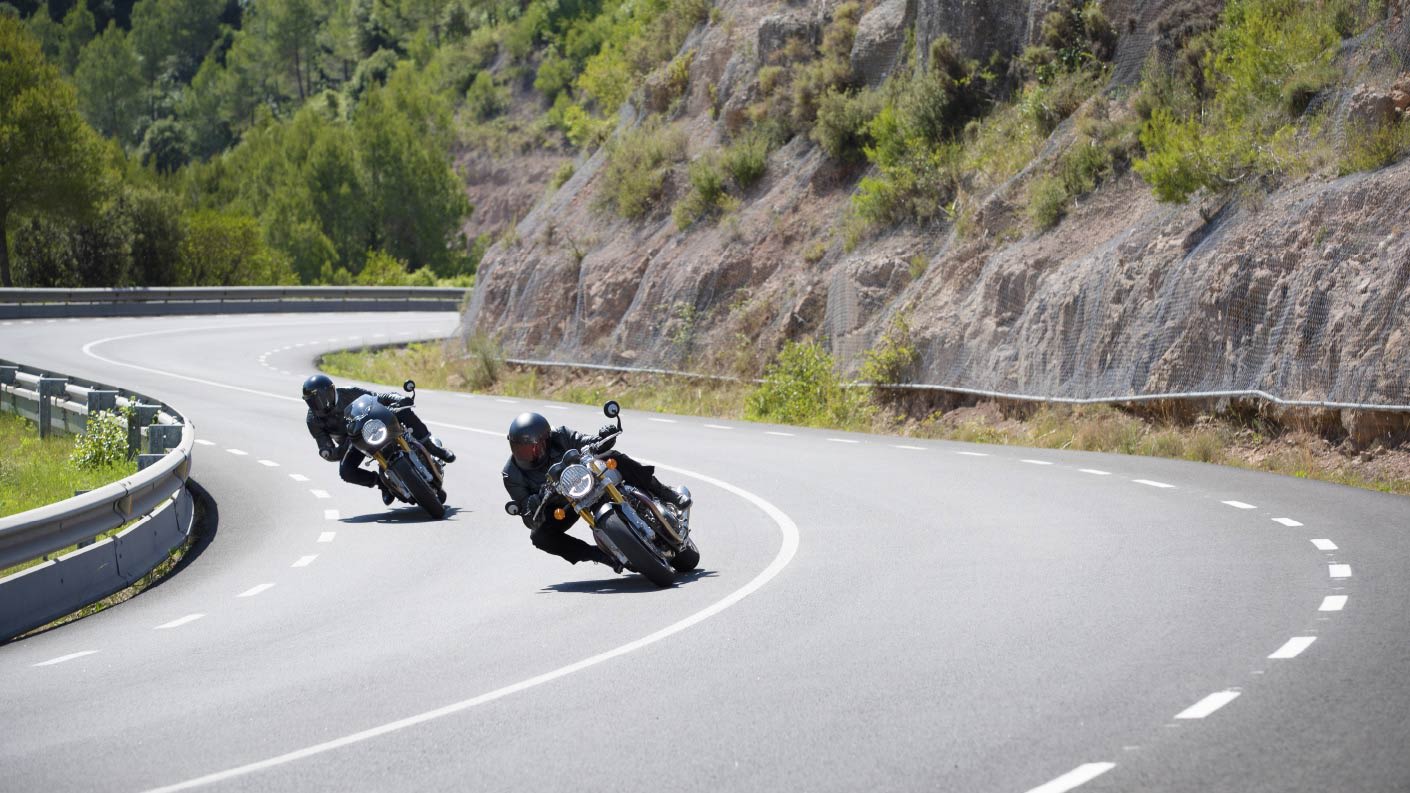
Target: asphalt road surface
point(871, 613)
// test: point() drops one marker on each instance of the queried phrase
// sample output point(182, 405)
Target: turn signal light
point(559, 514)
point(611, 463)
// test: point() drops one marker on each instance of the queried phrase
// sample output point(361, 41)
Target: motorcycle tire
point(643, 559)
point(423, 494)
point(688, 558)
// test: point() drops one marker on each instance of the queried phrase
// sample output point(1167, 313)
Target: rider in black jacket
point(326, 423)
point(534, 446)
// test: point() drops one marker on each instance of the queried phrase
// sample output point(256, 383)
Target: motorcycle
point(630, 525)
point(404, 465)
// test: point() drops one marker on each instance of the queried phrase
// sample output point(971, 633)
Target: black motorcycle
point(630, 525)
point(404, 465)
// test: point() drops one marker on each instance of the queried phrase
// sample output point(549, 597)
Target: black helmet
point(528, 439)
point(320, 394)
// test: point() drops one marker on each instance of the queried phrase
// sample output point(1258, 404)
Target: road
point(871, 613)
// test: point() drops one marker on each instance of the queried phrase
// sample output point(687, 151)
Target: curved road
point(871, 613)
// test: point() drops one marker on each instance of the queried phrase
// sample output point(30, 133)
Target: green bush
point(842, 123)
point(638, 163)
point(1372, 148)
point(484, 100)
point(707, 191)
point(1047, 198)
point(747, 158)
point(103, 442)
point(894, 359)
point(802, 387)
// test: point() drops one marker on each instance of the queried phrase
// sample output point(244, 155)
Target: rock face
point(881, 37)
point(1302, 297)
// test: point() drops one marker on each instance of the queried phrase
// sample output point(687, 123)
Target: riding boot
point(438, 449)
point(669, 495)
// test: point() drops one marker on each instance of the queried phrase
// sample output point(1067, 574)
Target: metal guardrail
point(50, 303)
point(155, 497)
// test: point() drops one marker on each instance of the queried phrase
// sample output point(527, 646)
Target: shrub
point(748, 157)
point(894, 359)
point(103, 442)
point(562, 175)
point(1372, 148)
point(707, 191)
point(842, 123)
point(484, 100)
point(801, 387)
point(1047, 198)
point(638, 163)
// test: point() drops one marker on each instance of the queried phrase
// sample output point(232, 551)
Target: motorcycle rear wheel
point(643, 559)
point(421, 492)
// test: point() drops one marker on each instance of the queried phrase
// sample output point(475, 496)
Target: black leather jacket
point(524, 484)
point(331, 431)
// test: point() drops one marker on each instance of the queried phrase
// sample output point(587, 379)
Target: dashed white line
point(1333, 603)
point(507, 401)
point(908, 448)
point(176, 623)
point(1339, 570)
point(269, 463)
point(330, 514)
point(717, 427)
point(205, 442)
point(1286, 521)
point(320, 493)
point(1238, 505)
point(237, 452)
point(255, 590)
point(1094, 472)
point(662, 421)
point(1080, 775)
point(1152, 483)
point(305, 561)
point(973, 454)
point(63, 658)
point(779, 434)
point(1208, 705)
point(1294, 647)
point(327, 536)
point(842, 440)
point(298, 477)
point(1325, 545)
point(1033, 462)
point(555, 407)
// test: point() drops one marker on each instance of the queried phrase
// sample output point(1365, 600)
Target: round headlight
point(576, 481)
point(374, 432)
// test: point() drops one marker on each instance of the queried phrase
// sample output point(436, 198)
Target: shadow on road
point(625, 585)
point(400, 515)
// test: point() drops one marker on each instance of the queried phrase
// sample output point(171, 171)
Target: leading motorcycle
point(404, 465)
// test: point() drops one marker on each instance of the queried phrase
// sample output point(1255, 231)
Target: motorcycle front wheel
point(688, 558)
point(643, 558)
point(422, 493)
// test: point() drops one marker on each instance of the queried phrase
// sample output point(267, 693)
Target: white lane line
point(237, 452)
point(779, 434)
point(1080, 775)
point(908, 448)
point(1339, 570)
point(1151, 483)
point(330, 514)
point(842, 440)
point(787, 550)
point(1325, 545)
point(269, 463)
point(717, 427)
point(1208, 705)
point(1238, 505)
point(327, 536)
point(1094, 472)
point(974, 454)
point(662, 421)
point(63, 658)
point(320, 493)
point(255, 590)
point(1034, 462)
point(205, 442)
point(1294, 647)
point(554, 407)
point(1286, 521)
point(298, 477)
point(507, 401)
point(176, 623)
point(305, 561)
point(1333, 603)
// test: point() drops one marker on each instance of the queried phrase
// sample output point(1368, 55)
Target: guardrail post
point(101, 400)
point(142, 415)
point(144, 460)
point(7, 374)
point(49, 387)
point(161, 437)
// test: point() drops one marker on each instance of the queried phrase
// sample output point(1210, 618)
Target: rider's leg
point(350, 472)
point(643, 477)
point(419, 431)
point(552, 537)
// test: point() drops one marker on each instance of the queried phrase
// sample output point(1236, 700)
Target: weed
point(893, 360)
point(802, 387)
point(637, 165)
point(37, 471)
point(1373, 148)
point(1047, 200)
point(562, 175)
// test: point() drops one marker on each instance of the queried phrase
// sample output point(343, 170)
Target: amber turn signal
point(559, 514)
point(611, 463)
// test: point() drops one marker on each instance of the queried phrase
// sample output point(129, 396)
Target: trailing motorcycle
point(404, 465)
point(628, 524)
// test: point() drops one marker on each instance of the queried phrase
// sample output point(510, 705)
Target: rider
point(534, 446)
point(326, 406)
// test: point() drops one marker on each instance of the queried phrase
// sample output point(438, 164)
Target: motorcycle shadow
point(399, 515)
point(631, 583)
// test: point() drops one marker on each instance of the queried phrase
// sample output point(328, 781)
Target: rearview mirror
point(409, 386)
point(512, 508)
point(611, 409)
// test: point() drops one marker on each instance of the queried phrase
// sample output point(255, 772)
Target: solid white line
point(1333, 603)
point(842, 440)
point(298, 477)
point(1286, 521)
point(237, 452)
point(662, 421)
point(1151, 483)
point(254, 590)
point(205, 442)
point(974, 454)
point(320, 493)
point(63, 658)
point(718, 427)
point(1033, 462)
point(1238, 505)
point(1325, 545)
point(269, 463)
point(330, 514)
point(1094, 472)
point(787, 550)
point(508, 401)
point(555, 407)
point(179, 622)
point(1080, 775)
point(779, 434)
point(909, 448)
point(1208, 705)
point(305, 561)
point(1339, 570)
point(327, 536)
point(1294, 647)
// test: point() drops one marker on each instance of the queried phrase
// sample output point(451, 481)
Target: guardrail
point(155, 497)
point(149, 301)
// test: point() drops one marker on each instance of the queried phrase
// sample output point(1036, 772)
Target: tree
point(50, 160)
point(78, 30)
point(175, 35)
point(226, 250)
point(110, 85)
point(166, 146)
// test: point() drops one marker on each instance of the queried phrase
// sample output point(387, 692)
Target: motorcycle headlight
point(576, 481)
point(374, 432)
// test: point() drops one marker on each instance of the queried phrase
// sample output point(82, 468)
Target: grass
point(35, 472)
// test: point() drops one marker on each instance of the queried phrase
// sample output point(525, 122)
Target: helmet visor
point(528, 453)
point(322, 400)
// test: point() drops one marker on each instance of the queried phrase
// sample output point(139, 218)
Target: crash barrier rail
point(150, 301)
point(155, 498)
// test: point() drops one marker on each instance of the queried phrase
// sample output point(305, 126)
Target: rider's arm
point(327, 449)
point(525, 496)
